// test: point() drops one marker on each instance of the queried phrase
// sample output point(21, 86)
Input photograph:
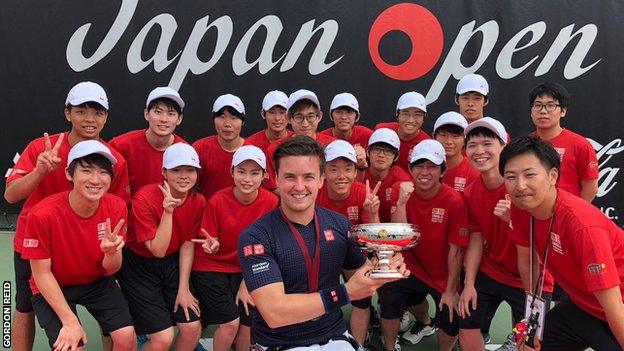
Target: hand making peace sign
point(112, 242)
point(371, 204)
point(169, 202)
point(48, 160)
point(210, 244)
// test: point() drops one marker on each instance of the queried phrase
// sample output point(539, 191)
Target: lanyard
point(312, 264)
point(537, 291)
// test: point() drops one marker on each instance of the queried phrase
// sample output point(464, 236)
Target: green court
point(499, 329)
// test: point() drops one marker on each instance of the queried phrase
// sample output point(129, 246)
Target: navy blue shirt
point(269, 253)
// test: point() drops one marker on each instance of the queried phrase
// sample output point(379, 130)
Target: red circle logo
point(424, 31)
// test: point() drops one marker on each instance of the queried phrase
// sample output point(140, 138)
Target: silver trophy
point(384, 239)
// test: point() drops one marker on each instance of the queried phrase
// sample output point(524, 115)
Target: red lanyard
point(312, 265)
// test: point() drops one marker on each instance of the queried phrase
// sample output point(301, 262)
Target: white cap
point(491, 124)
point(300, 95)
point(274, 98)
point(340, 148)
point(450, 117)
point(473, 82)
point(180, 154)
point(428, 149)
point(385, 135)
point(165, 92)
point(88, 147)
point(86, 92)
point(249, 152)
point(412, 99)
point(345, 99)
point(228, 100)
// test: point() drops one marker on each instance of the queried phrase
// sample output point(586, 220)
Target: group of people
point(149, 233)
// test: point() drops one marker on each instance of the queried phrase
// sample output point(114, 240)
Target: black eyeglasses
point(381, 150)
point(551, 106)
point(311, 117)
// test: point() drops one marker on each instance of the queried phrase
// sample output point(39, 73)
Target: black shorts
point(568, 327)
point(102, 298)
point(216, 293)
point(558, 293)
point(23, 294)
point(410, 292)
point(151, 286)
point(490, 294)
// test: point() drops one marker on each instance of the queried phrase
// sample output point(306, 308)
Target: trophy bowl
point(384, 239)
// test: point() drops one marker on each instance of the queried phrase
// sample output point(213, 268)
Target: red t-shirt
point(578, 161)
point(260, 140)
point(72, 243)
point(144, 162)
point(216, 164)
point(359, 136)
point(586, 252)
point(56, 181)
point(225, 218)
point(352, 207)
point(396, 174)
point(270, 183)
point(460, 176)
point(500, 258)
point(441, 220)
point(147, 211)
point(406, 145)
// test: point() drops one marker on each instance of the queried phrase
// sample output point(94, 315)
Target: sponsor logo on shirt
point(459, 184)
point(260, 267)
point(463, 231)
point(388, 194)
point(329, 235)
point(101, 230)
point(596, 268)
point(248, 250)
point(258, 249)
point(334, 295)
point(437, 215)
point(30, 243)
point(561, 152)
point(556, 243)
point(353, 213)
point(18, 171)
point(593, 164)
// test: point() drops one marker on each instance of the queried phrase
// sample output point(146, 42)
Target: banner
point(376, 50)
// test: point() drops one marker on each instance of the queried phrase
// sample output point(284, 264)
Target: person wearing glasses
point(579, 164)
point(410, 114)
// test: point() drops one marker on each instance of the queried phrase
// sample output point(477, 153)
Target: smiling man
point(472, 96)
point(274, 115)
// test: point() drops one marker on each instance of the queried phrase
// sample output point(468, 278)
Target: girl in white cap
point(216, 272)
point(157, 264)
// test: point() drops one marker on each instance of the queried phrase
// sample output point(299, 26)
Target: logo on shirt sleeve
point(389, 194)
point(437, 215)
point(334, 296)
point(463, 231)
point(258, 249)
point(459, 184)
point(30, 243)
point(260, 267)
point(248, 250)
point(596, 268)
point(353, 213)
point(329, 235)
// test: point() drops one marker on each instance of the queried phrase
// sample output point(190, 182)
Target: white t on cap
point(385, 135)
point(249, 152)
point(340, 148)
point(450, 117)
point(491, 124)
point(345, 99)
point(86, 92)
point(165, 92)
point(228, 100)
point(473, 82)
point(300, 95)
point(180, 154)
point(412, 99)
point(430, 150)
point(88, 147)
point(274, 98)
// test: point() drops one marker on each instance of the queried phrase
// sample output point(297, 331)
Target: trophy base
point(380, 274)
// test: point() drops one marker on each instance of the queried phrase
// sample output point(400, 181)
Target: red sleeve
point(26, 162)
point(595, 255)
point(518, 226)
point(361, 199)
point(458, 223)
point(121, 182)
point(210, 220)
point(145, 218)
point(587, 162)
point(37, 238)
point(197, 220)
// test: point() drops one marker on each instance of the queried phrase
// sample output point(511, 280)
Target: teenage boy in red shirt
point(40, 172)
point(143, 148)
point(74, 253)
point(585, 250)
point(274, 115)
point(440, 215)
point(449, 131)
point(491, 262)
point(410, 114)
point(216, 274)
point(579, 165)
point(228, 114)
point(472, 96)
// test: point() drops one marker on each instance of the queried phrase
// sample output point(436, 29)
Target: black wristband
point(335, 297)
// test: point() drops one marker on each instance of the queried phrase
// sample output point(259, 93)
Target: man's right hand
point(70, 336)
point(360, 285)
point(405, 190)
point(48, 160)
point(467, 301)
